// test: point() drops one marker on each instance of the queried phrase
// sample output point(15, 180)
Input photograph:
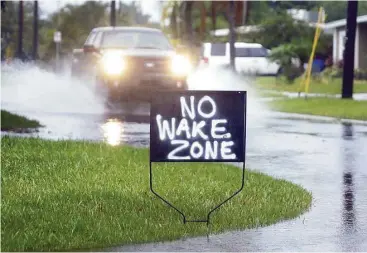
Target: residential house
point(338, 29)
point(297, 14)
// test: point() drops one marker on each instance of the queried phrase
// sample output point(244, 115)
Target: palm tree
point(169, 12)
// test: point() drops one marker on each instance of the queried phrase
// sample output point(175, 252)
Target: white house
point(338, 29)
point(297, 14)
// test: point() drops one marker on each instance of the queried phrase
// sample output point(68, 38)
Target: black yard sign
point(197, 126)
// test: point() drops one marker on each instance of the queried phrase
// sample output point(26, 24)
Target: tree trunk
point(113, 13)
point(20, 31)
point(173, 21)
point(188, 22)
point(214, 16)
point(35, 31)
point(232, 35)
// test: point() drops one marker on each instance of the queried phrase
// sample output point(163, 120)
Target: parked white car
point(250, 58)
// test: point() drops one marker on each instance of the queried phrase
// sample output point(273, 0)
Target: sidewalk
point(298, 116)
point(356, 96)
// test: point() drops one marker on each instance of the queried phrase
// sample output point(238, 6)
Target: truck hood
point(144, 52)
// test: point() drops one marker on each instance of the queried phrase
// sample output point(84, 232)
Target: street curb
point(288, 94)
point(298, 116)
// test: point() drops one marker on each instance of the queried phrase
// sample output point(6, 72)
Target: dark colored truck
point(131, 60)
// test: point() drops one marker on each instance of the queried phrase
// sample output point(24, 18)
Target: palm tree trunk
point(232, 35)
point(173, 21)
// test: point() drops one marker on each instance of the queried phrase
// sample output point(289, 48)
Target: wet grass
point(65, 196)
point(13, 122)
point(331, 107)
point(331, 86)
point(269, 94)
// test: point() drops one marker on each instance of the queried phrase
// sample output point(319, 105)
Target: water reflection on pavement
point(327, 159)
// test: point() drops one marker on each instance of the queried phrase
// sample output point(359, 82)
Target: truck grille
point(148, 65)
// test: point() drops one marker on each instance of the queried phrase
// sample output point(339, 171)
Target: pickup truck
point(128, 61)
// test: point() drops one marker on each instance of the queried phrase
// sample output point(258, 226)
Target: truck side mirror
point(89, 49)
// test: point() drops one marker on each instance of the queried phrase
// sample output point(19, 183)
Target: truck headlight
point(113, 63)
point(180, 65)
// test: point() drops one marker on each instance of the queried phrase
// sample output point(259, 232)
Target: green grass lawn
point(269, 94)
point(332, 107)
point(65, 196)
point(10, 122)
point(332, 87)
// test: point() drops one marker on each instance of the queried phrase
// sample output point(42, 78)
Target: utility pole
point(35, 31)
point(232, 35)
point(113, 13)
point(3, 5)
point(20, 31)
point(348, 68)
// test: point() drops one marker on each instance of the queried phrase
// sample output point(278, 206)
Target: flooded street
point(328, 159)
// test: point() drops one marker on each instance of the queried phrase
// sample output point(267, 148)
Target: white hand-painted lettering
point(218, 147)
point(226, 151)
point(183, 127)
point(182, 145)
point(211, 150)
point(215, 130)
point(214, 107)
point(196, 129)
point(164, 128)
point(196, 150)
point(184, 107)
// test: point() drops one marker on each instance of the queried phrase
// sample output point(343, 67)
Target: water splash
point(224, 79)
point(27, 87)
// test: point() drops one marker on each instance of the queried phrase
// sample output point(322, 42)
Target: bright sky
point(150, 7)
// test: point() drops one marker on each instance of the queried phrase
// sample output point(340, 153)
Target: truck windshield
point(135, 39)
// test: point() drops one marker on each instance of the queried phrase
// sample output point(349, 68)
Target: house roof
point(327, 27)
point(343, 22)
point(126, 28)
point(240, 30)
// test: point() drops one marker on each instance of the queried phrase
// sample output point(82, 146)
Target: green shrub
point(360, 74)
point(284, 55)
point(337, 72)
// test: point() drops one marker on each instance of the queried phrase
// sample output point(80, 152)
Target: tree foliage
point(334, 10)
point(9, 26)
point(289, 39)
point(74, 21)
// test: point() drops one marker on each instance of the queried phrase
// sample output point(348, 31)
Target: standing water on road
point(69, 108)
point(72, 108)
point(327, 159)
